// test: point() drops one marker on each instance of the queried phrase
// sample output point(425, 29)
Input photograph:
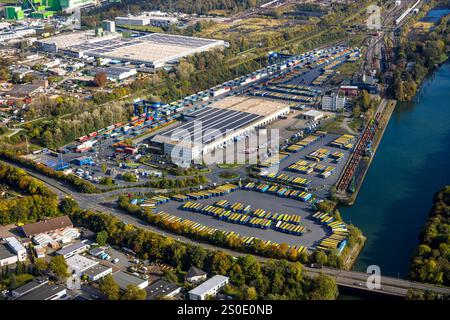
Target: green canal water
point(411, 165)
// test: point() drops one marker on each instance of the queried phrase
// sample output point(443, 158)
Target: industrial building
point(109, 26)
point(17, 247)
point(162, 289)
point(312, 115)
point(97, 272)
point(145, 20)
point(79, 264)
point(115, 73)
point(73, 249)
point(43, 226)
point(125, 279)
point(45, 292)
point(208, 288)
point(333, 102)
point(28, 287)
point(7, 255)
point(43, 9)
point(153, 50)
point(221, 122)
point(51, 231)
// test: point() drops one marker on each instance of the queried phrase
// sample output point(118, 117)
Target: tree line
point(423, 52)
point(249, 278)
point(431, 262)
point(187, 6)
point(77, 183)
point(38, 202)
point(270, 280)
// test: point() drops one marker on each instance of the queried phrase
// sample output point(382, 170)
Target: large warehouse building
point(220, 122)
point(154, 50)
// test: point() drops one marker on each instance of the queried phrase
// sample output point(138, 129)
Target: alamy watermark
point(215, 146)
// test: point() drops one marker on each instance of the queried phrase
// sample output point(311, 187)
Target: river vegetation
point(431, 262)
point(417, 56)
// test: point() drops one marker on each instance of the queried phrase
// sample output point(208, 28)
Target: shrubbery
point(432, 260)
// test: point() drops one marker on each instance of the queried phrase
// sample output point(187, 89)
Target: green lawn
point(229, 166)
point(21, 279)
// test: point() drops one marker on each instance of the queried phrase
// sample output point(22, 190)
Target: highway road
point(101, 203)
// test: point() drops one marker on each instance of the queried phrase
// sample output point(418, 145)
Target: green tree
point(170, 276)
point(68, 206)
point(40, 265)
point(250, 294)
point(320, 257)
point(133, 292)
point(101, 238)
point(109, 287)
point(12, 282)
point(323, 287)
point(58, 266)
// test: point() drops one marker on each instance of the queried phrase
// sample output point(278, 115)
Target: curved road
point(351, 279)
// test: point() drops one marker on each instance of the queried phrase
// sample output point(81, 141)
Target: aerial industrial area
point(200, 152)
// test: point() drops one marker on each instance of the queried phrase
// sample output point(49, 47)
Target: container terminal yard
point(257, 168)
point(233, 105)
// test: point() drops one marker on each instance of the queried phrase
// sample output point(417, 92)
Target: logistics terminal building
point(213, 126)
point(153, 50)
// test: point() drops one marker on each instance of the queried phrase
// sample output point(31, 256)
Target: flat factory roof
point(228, 114)
point(208, 285)
point(96, 270)
point(68, 39)
point(44, 292)
point(6, 252)
point(80, 263)
point(151, 48)
point(71, 248)
point(160, 288)
point(312, 113)
point(124, 279)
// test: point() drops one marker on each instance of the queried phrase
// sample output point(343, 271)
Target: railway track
point(358, 153)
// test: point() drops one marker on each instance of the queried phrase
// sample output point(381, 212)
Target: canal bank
point(410, 165)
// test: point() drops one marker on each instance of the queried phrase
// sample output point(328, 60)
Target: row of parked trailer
point(235, 84)
point(303, 143)
point(273, 160)
point(231, 236)
point(320, 80)
point(278, 191)
point(307, 167)
point(216, 192)
point(151, 203)
point(258, 218)
point(159, 199)
point(285, 179)
point(343, 142)
point(318, 155)
point(267, 93)
point(297, 89)
point(337, 240)
point(290, 228)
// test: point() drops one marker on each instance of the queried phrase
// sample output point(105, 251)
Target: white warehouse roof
point(208, 285)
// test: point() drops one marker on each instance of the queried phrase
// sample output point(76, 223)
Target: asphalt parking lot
point(257, 200)
point(316, 181)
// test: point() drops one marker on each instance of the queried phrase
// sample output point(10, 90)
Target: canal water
point(410, 166)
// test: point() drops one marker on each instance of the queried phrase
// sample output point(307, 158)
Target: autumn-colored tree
point(100, 79)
